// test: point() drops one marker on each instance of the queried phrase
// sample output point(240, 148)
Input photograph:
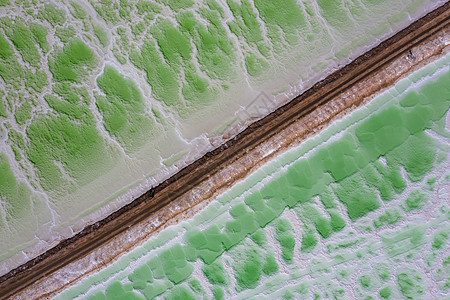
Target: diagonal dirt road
point(220, 168)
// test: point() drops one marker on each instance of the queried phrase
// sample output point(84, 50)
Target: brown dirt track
point(236, 158)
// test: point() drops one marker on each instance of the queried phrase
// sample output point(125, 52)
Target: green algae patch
point(248, 268)
point(101, 35)
point(3, 111)
point(326, 198)
point(264, 213)
point(244, 223)
point(65, 34)
point(255, 65)
point(246, 22)
point(410, 99)
point(207, 245)
point(154, 290)
point(417, 155)
point(216, 54)
point(337, 223)
point(15, 193)
point(108, 10)
point(174, 44)
point(23, 39)
point(309, 241)
point(40, 36)
point(180, 292)
point(382, 132)
point(259, 237)
point(310, 215)
point(383, 271)
point(155, 264)
point(323, 227)
point(23, 112)
point(358, 199)
point(375, 176)
point(177, 4)
point(197, 89)
point(270, 265)
point(288, 295)
point(215, 273)
point(410, 283)
point(285, 15)
point(340, 158)
point(123, 109)
point(218, 293)
point(56, 142)
point(69, 63)
point(5, 48)
point(392, 174)
point(141, 276)
point(35, 81)
point(52, 14)
point(385, 292)
point(431, 183)
point(389, 217)
point(12, 72)
point(283, 234)
point(147, 8)
point(66, 108)
point(366, 281)
point(17, 141)
point(174, 264)
point(71, 93)
point(440, 239)
point(196, 285)
point(415, 200)
point(116, 291)
point(334, 12)
point(77, 10)
point(162, 78)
